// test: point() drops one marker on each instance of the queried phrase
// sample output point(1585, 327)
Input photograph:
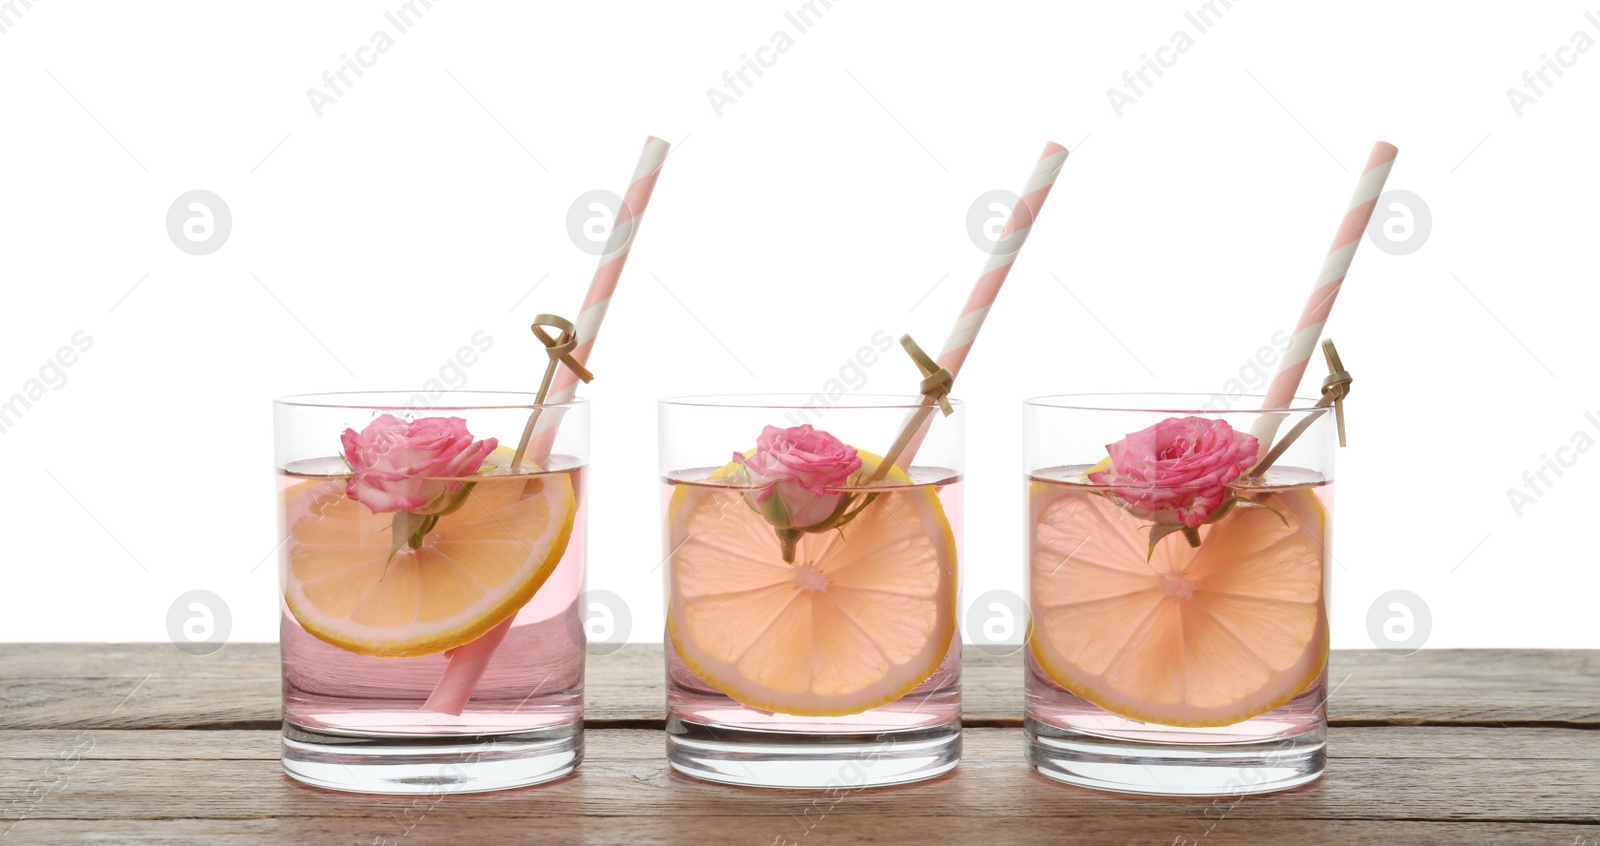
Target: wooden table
point(145, 744)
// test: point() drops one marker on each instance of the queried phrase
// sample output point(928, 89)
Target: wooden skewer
point(559, 348)
point(935, 390)
point(1334, 389)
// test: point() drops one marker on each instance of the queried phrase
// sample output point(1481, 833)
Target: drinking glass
point(416, 549)
point(1178, 640)
point(811, 637)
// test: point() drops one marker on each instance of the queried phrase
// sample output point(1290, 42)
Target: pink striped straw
point(618, 245)
point(1280, 394)
point(1003, 255)
point(995, 270)
point(469, 662)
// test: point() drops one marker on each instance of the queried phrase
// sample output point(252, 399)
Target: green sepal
point(458, 499)
point(1191, 534)
point(787, 540)
point(408, 530)
point(1157, 532)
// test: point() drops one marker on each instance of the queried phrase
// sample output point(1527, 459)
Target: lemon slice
point(477, 567)
point(863, 615)
point(1198, 637)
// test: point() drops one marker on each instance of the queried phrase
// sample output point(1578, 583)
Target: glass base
point(811, 761)
point(430, 764)
point(1175, 769)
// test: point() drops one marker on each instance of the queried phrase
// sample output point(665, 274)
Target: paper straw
point(1280, 394)
point(618, 245)
point(468, 662)
point(995, 270)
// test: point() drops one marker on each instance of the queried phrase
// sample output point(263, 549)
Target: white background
point(829, 201)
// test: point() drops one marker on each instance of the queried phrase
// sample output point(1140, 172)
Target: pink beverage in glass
point(1179, 629)
point(829, 658)
point(371, 618)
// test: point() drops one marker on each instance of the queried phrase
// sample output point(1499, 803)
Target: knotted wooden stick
point(1334, 389)
point(559, 348)
point(935, 390)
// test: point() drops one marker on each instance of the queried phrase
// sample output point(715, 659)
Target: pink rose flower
point(1177, 471)
point(400, 465)
point(798, 471)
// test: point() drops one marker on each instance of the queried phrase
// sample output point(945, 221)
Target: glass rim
point(1168, 402)
point(450, 400)
point(798, 401)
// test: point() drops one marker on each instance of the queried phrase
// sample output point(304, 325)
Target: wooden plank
point(1416, 742)
point(718, 829)
point(89, 686)
point(1420, 753)
point(1481, 775)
